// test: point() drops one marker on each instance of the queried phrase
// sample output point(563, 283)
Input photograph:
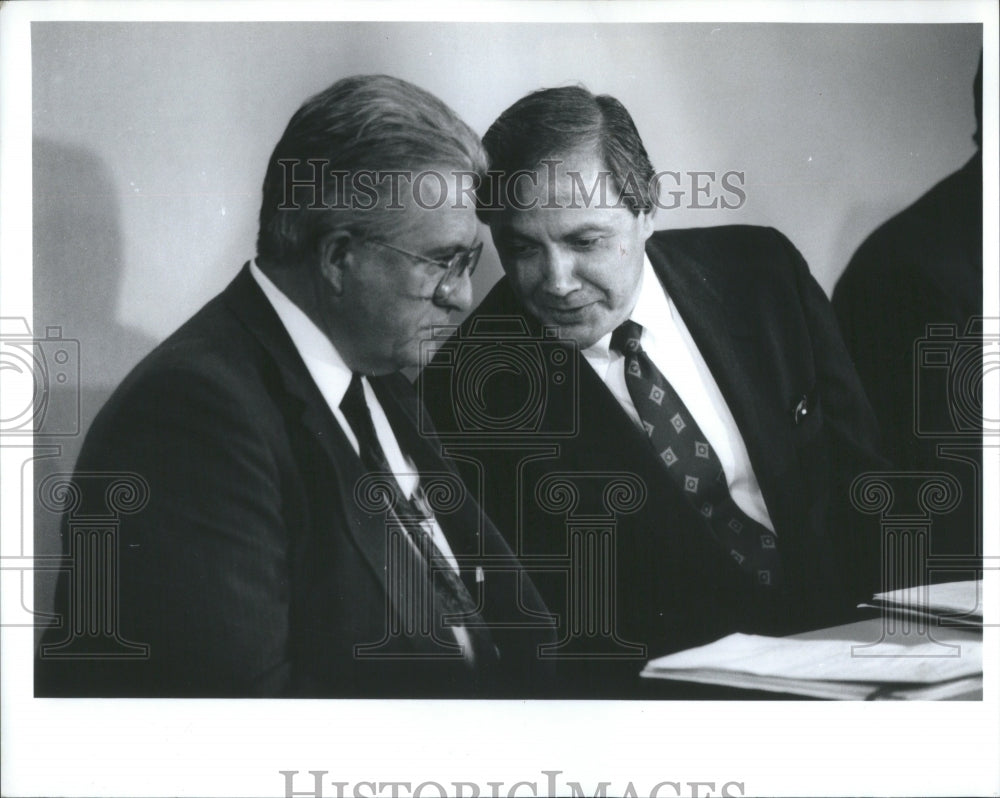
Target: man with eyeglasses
point(301, 536)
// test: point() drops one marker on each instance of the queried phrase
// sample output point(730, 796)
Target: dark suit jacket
point(255, 569)
point(924, 266)
point(767, 333)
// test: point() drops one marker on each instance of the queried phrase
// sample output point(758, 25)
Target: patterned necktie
point(414, 514)
point(691, 463)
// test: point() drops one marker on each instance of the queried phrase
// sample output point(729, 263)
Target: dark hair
point(365, 122)
point(554, 122)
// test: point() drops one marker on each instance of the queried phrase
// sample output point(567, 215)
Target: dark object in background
point(909, 305)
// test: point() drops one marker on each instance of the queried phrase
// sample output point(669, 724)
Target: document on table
point(949, 603)
point(831, 668)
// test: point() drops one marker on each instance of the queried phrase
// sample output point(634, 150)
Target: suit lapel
point(716, 320)
point(600, 410)
point(406, 426)
point(715, 325)
point(366, 528)
point(464, 526)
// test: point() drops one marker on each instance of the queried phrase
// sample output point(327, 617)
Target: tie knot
point(626, 337)
point(353, 404)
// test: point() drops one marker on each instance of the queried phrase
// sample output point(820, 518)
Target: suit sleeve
point(202, 569)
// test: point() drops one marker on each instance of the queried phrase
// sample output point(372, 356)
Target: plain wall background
point(151, 139)
point(150, 142)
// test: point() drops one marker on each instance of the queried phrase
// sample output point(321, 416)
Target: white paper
point(949, 598)
point(827, 660)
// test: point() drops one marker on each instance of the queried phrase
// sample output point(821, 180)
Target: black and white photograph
point(571, 398)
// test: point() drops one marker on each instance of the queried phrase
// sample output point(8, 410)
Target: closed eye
point(587, 242)
point(521, 249)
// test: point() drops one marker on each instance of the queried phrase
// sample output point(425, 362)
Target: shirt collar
point(315, 348)
point(652, 310)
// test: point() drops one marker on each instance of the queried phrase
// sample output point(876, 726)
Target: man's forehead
point(567, 175)
point(577, 181)
point(561, 222)
point(453, 225)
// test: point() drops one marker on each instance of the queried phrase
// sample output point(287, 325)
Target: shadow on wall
point(77, 273)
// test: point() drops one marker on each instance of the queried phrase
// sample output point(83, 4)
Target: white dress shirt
point(332, 377)
point(668, 343)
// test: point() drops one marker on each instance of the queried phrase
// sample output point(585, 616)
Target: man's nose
point(456, 294)
point(559, 278)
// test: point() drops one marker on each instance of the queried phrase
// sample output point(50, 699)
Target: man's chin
point(583, 333)
point(429, 346)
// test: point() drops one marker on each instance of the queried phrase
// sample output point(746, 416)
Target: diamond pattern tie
point(691, 463)
point(413, 514)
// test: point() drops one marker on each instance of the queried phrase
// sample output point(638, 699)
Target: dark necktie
point(413, 514)
point(691, 463)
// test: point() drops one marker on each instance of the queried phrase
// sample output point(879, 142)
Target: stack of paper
point(948, 604)
point(826, 668)
point(871, 659)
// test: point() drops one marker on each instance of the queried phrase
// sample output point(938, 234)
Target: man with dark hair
point(301, 538)
point(700, 367)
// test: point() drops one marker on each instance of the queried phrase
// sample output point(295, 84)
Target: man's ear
point(335, 257)
point(498, 232)
point(647, 222)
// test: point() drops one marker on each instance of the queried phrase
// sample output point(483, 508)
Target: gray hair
point(361, 124)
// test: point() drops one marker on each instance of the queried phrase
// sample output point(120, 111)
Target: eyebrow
point(576, 232)
point(585, 229)
point(449, 250)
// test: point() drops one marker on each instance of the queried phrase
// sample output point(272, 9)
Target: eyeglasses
point(461, 263)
